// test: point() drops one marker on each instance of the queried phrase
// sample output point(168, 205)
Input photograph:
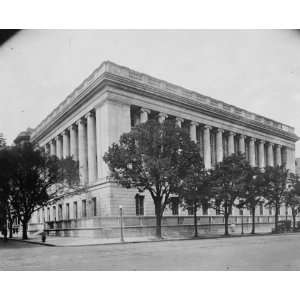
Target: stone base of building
point(144, 226)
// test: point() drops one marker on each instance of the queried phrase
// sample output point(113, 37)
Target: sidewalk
point(86, 241)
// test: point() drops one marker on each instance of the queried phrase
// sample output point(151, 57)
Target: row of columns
point(79, 142)
point(144, 114)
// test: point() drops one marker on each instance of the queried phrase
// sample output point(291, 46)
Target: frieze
point(109, 67)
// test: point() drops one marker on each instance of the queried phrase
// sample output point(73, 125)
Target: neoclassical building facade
point(115, 98)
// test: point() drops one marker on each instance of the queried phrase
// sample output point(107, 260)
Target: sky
point(258, 70)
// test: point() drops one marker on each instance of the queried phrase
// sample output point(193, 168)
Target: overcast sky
point(257, 70)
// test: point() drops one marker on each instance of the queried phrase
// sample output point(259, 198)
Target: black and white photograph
point(149, 149)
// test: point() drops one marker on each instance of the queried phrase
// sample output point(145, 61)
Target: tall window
point(261, 209)
point(139, 205)
point(270, 210)
point(83, 208)
point(54, 213)
point(67, 211)
point(48, 214)
point(174, 205)
point(94, 207)
point(205, 210)
point(190, 210)
point(60, 212)
point(38, 216)
point(75, 210)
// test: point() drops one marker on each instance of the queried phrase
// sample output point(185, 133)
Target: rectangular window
point(204, 210)
point(60, 212)
point(94, 207)
point(241, 212)
point(43, 215)
point(54, 213)
point(67, 211)
point(48, 214)
point(261, 209)
point(270, 210)
point(75, 210)
point(83, 208)
point(218, 212)
point(256, 153)
point(175, 205)
point(139, 205)
point(190, 210)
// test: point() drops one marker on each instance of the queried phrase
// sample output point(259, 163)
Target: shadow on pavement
point(15, 244)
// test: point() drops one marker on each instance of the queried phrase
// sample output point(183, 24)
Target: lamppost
point(121, 223)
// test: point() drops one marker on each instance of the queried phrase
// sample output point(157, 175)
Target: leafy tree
point(228, 179)
point(276, 179)
point(253, 191)
point(292, 197)
point(6, 168)
point(194, 191)
point(153, 157)
point(2, 141)
point(35, 178)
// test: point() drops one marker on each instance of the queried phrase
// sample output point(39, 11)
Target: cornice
point(109, 73)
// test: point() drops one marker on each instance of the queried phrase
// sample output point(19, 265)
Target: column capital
point(162, 115)
point(90, 114)
point(220, 130)
point(178, 119)
point(145, 110)
point(57, 137)
point(207, 127)
point(252, 139)
point(231, 133)
point(73, 126)
point(278, 146)
point(271, 144)
point(66, 131)
point(194, 123)
point(262, 142)
point(242, 136)
point(81, 121)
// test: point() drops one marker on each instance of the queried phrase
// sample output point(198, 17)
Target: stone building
point(115, 98)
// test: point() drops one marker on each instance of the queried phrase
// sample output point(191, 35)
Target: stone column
point(219, 141)
point(66, 143)
point(144, 115)
point(231, 143)
point(52, 147)
point(83, 166)
point(292, 160)
point(162, 117)
point(261, 155)
point(207, 152)
point(193, 131)
point(74, 142)
point(252, 151)
point(58, 147)
point(179, 121)
point(278, 155)
point(91, 146)
point(270, 155)
point(242, 148)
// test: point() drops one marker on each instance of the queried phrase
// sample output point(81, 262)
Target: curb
point(157, 241)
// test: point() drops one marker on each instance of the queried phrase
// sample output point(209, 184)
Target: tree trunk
point(24, 233)
point(195, 220)
point(276, 218)
point(158, 216)
point(253, 220)
point(10, 229)
point(294, 219)
point(226, 215)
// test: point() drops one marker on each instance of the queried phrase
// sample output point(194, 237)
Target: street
point(276, 252)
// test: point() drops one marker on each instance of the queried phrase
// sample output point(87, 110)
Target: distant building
point(23, 137)
point(111, 101)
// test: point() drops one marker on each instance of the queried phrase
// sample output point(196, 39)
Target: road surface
point(276, 252)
